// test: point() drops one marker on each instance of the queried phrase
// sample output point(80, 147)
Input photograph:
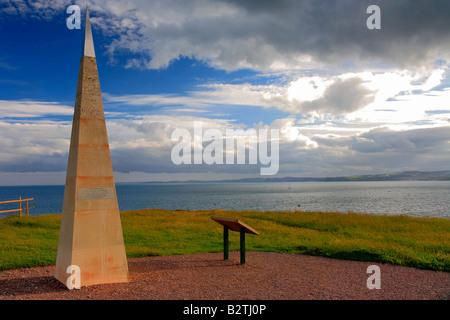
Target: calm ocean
point(412, 198)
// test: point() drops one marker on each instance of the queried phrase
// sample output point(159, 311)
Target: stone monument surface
point(91, 235)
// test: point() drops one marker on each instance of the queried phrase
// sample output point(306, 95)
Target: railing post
point(27, 208)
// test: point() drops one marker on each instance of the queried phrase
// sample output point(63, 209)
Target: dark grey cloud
point(343, 96)
point(264, 34)
point(35, 163)
point(270, 34)
point(417, 141)
point(376, 151)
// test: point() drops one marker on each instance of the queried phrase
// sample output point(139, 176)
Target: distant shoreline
point(395, 176)
point(443, 175)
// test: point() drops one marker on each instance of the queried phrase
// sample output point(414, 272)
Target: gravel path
point(266, 276)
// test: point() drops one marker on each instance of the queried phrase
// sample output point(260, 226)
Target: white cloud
point(33, 147)
point(308, 88)
point(30, 109)
point(397, 96)
point(408, 109)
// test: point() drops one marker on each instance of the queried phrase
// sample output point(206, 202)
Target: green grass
point(417, 242)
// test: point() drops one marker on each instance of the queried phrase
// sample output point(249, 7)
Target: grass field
point(417, 242)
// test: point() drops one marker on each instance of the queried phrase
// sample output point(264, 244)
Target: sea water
point(412, 198)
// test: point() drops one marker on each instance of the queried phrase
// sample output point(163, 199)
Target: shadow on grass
point(368, 256)
point(356, 255)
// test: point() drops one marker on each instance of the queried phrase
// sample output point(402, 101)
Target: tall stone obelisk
point(91, 235)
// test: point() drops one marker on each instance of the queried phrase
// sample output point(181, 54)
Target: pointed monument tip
point(88, 40)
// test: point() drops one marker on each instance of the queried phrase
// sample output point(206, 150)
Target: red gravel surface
point(266, 276)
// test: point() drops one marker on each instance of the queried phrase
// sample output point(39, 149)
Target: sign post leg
point(225, 243)
point(242, 246)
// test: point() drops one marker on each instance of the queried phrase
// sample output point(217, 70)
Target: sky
point(345, 99)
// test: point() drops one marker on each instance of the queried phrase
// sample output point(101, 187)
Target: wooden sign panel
point(235, 225)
